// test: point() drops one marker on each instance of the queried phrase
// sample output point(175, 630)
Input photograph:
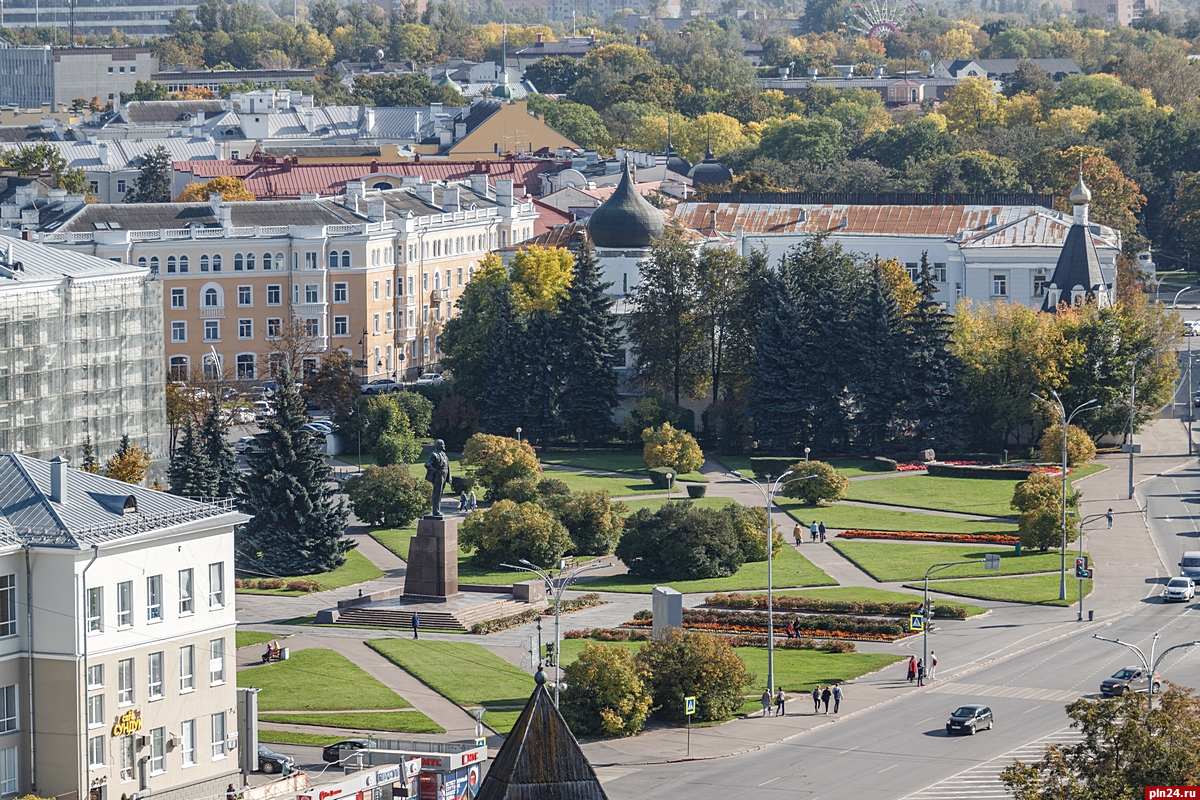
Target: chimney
point(354, 190)
point(217, 154)
point(478, 183)
point(424, 192)
point(214, 202)
point(450, 202)
point(198, 118)
point(73, 201)
point(417, 125)
point(504, 192)
point(407, 181)
point(310, 124)
point(460, 131)
point(376, 209)
point(539, 38)
point(103, 148)
point(225, 215)
point(879, 72)
point(58, 480)
point(56, 195)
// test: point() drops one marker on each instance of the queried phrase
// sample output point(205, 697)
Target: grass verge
point(868, 594)
point(790, 569)
point(401, 721)
point(615, 486)
point(609, 461)
point(983, 496)
point(318, 680)
point(890, 561)
point(844, 517)
point(268, 736)
point(1036, 589)
point(656, 503)
point(250, 638)
point(501, 721)
point(357, 569)
point(465, 673)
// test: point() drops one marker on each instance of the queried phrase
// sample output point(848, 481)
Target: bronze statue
point(437, 472)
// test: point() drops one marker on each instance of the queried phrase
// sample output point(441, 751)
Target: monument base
point(432, 574)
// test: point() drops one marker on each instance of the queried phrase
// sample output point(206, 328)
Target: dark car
point(331, 753)
point(272, 763)
point(1128, 679)
point(968, 719)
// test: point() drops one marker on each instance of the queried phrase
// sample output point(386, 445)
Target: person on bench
point(272, 653)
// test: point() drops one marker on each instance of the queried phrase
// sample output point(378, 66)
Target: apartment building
point(375, 273)
point(33, 76)
point(130, 688)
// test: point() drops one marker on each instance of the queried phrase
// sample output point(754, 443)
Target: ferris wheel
point(876, 19)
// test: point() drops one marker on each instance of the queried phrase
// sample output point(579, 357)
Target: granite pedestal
point(432, 573)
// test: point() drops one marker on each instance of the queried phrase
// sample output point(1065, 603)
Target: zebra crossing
point(1009, 692)
point(982, 782)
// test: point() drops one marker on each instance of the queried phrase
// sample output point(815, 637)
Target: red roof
point(283, 181)
point(549, 218)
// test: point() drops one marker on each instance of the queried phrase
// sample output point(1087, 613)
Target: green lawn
point(465, 673)
point(844, 517)
point(965, 495)
point(268, 736)
point(654, 503)
point(867, 594)
point(402, 721)
point(608, 461)
point(615, 486)
point(896, 561)
point(850, 467)
point(357, 569)
point(790, 569)
point(249, 638)
point(501, 721)
point(318, 680)
point(1040, 589)
point(397, 540)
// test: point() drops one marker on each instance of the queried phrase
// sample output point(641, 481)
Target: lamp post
point(807, 450)
point(518, 433)
point(362, 342)
point(768, 491)
point(991, 561)
point(1065, 421)
point(555, 586)
point(1132, 396)
point(1149, 664)
point(670, 480)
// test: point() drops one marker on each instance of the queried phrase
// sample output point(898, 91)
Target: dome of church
point(449, 83)
point(626, 219)
point(677, 163)
point(504, 91)
point(1081, 195)
point(710, 172)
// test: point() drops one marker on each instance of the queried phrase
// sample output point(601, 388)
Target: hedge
point(881, 464)
point(736, 600)
point(824, 626)
point(772, 465)
point(997, 473)
point(987, 458)
point(696, 490)
point(658, 476)
point(735, 640)
point(529, 615)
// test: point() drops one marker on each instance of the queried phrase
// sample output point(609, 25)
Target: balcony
point(439, 295)
point(212, 313)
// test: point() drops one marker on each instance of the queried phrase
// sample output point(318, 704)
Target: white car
point(243, 445)
point(430, 379)
point(1182, 589)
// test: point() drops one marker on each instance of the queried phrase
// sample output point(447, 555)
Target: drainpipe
point(83, 739)
point(29, 639)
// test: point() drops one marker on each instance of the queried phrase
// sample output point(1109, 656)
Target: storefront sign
point(448, 762)
point(128, 723)
point(384, 776)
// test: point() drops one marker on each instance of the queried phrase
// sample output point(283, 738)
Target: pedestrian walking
point(462, 502)
point(1108, 515)
point(416, 623)
point(797, 535)
point(920, 672)
point(837, 697)
point(791, 629)
point(821, 529)
point(826, 696)
point(766, 702)
point(813, 529)
point(779, 701)
point(816, 699)
point(932, 665)
point(471, 503)
point(912, 668)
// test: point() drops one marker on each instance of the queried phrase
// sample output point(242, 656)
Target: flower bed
point(736, 600)
point(922, 536)
point(814, 625)
point(294, 585)
point(911, 467)
point(516, 620)
point(735, 640)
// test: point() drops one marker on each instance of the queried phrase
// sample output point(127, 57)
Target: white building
point(117, 673)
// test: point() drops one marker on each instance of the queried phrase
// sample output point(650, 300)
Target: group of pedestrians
point(816, 532)
point(466, 502)
point(919, 671)
point(821, 696)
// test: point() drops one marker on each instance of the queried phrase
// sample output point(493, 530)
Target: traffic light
point(1081, 568)
point(929, 610)
point(550, 654)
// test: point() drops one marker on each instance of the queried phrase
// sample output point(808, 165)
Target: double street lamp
point(769, 489)
point(1149, 664)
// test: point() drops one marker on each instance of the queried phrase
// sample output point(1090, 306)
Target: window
point(424, 281)
point(458, 277)
point(1039, 284)
point(310, 260)
point(250, 262)
point(216, 585)
point(425, 315)
point(341, 293)
point(186, 592)
point(120, 187)
point(142, 262)
point(95, 676)
point(375, 320)
point(179, 298)
point(274, 295)
point(245, 296)
point(8, 709)
point(410, 284)
point(939, 272)
point(187, 668)
point(128, 761)
point(110, 70)
point(179, 368)
point(212, 330)
point(914, 271)
point(312, 326)
point(447, 284)
point(154, 606)
point(388, 320)
point(280, 261)
point(999, 285)
point(217, 262)
point(9, 780)
point(125, 682)
point(341, 326)
point(204, 263)
point(216, 661)
point(345, 259)
point(411, 315)
point(274, 327)
point(218, 735)
point(155, 662)
point(178, 331)
point(125, 604)
point(295, 293)
point(425, 347)
point(184, 264)
point(158, 750)
point(171, 263)
point(213, 365)
point(8, 605)
point(212, 298)
point(412, 252)
point(95, 609)
point(154, 264)
point(187, 740)
point(239, 263)
point(96, 752)
point(245, 329)
point(378, 361)
point(266, 262)
point(246, 366)
point(387, 288)
point(311, 293)
point(333, 259)
point(375, 289)
point(94, 186)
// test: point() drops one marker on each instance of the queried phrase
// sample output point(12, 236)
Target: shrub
point(1080, 447)
point(496, 460)
point(967, 471)
point(418, 409)
point(681, 542)
point(396, 447)
point(683, 664)
point(607, 696)
point(454, 421)
point(381, 415)
point(592, 518)
point(461, 483)
point(829, 485)
point(547, 487)
point(658, 476)
point(1041, 528)
point(508, 532)
point(651, 412)
point(751, 523)
point(521, 490)
point(388, 496)
point(771, 465)
point(696, 490)
point(667, 446)
point(300, 585)
point(1040, 490)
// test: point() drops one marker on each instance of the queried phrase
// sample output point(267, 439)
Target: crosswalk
point(1010, 692)
point(982, 782)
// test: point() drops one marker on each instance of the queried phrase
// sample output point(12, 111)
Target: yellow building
point(504, 128)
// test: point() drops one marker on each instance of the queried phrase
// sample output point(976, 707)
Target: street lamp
point(989, 561)
point(670, 480)
point(555, 586)
point(362, 342)
point(769, 490)
point(1149, 664)
point(518, 434)
point(807, 450)
point(1065, 421)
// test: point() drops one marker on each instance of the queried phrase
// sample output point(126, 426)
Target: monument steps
point(457, 620)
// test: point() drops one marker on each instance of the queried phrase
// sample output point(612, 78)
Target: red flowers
point(923, 536)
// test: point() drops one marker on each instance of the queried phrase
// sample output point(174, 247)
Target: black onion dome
point(710, 172)
point(626, 219)
point(677, 163)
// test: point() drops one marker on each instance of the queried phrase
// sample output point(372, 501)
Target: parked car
point(430, 379)
point(1189, 565)
point(323, 425)
point(272, 763)
point(265, 389)
point(243, 445)
point(1128, 679)
point(263, 409)
point(242, 416)
point(968, 719)
point(331, 752)
point(382, 386)
point(1179, 589)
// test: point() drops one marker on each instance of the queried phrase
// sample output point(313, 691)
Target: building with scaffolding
point(81, 354)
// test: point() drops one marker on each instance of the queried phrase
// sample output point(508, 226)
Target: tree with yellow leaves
point(129, 464)
point(230, 187)
point(971, 106)
point(1064, 121)
point(541, 277)
point(1116, 199)
point(194, 93)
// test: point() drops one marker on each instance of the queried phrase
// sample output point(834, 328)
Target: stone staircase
point(433, 617)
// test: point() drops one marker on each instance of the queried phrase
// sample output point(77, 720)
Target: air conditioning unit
point(172, 742)
point(142, 741)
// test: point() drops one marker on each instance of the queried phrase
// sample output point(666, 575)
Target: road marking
point(885, 769)
point(764, 783)
point(851, 750)
point(982, 782)
point(1008, 692)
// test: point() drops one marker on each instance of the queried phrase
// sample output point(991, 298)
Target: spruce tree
point(590, 342)
point(778, 402)
point(153, 183)
point(90, 462)
point(879, 386)
point(542, 346)
point(502, 404)
point(296, 527)
point(226, 477)
point(190, 473)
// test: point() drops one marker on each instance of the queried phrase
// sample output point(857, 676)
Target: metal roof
point(167, 112)
point(174, 216)
point(41, 264)
point(126, 154)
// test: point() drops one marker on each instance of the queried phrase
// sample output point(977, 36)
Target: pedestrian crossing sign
point(689, 705)
point(916, 622)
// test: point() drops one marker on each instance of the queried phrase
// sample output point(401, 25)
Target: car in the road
point(430, 379)
point(331, 752)
point(1128, 679)
point(242, 416)
point(1182, 589)
point(272, 763)
point(382, 386)
point(968, 719)
point(1189, 565)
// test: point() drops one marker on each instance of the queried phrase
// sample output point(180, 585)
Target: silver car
point(1182, 589)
